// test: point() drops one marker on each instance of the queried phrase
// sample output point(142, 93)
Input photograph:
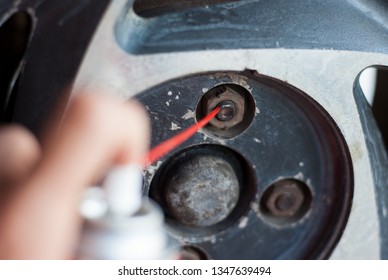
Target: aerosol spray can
point(121, 225)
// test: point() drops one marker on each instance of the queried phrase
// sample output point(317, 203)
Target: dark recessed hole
point(286, 201)
point(14, 37)
point(203, 189)
point(193, 253)
point(244, 110)
point(153, 8)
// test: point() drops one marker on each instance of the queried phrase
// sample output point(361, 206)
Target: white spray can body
point(114, 230)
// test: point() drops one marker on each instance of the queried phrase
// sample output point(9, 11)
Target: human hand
point(39, 217)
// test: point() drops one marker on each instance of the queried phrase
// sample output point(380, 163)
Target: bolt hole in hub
point(203, 189)
point(269, 178)
point(286, 201)
point(193, 253)
point(236, 114)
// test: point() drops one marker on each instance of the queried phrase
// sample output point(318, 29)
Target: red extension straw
point(163, 148)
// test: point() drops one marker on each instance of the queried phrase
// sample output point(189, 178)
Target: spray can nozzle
point(120, 194)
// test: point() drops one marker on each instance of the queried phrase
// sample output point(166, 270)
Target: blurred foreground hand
point(40, 187)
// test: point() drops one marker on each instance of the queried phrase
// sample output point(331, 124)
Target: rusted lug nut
point(228, 98)
point(227, 111)
point(285, 199)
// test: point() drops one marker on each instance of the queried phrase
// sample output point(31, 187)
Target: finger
point(141, 136)
point(19, 153)
point(96, 132)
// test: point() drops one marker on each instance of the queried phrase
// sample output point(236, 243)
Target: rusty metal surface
point(286, 201)
point(265, 148)
point(232, 98)
point(226, 93)
point(202, 191)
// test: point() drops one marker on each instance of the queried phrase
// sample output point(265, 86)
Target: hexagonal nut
point(285, 199)
point(228, 95)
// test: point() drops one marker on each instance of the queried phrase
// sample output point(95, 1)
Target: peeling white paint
point(169, 93)
point(151, 170)
point(189, 114)
point(299, 176)
point(255, 207)
point(243, 223)
point(257, 140)
point(174, 126)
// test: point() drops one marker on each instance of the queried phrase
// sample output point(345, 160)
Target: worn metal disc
point(292, 166)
